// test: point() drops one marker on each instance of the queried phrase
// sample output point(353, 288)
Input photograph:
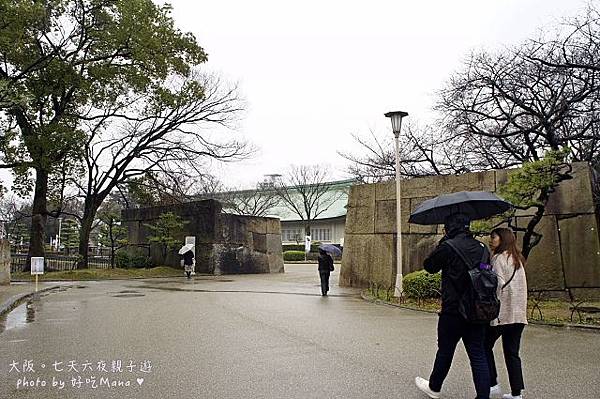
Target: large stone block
point(255, 224)
point(259, 242)
point(417, 249)
point(356, 260)
point(580, 251)
point(273, 226)
point(417, 228)
point(481, 181)
point(385, 216)
point(574, 195)
point(275, 253)
point(544, 266)
point(383, 260)
point(360, 218)
point(421, 187)
point(4, 262)
point(385, 191)
point(501, 178)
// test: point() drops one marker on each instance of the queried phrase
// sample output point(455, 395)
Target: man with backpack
point(467, 302)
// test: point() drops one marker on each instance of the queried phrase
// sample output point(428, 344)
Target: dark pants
point(511, 343)
point(451, 329)
point(324, 282)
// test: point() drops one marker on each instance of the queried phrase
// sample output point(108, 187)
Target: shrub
point(128, 260)
point(421, 285)
point(293, 255)
point(314, 247)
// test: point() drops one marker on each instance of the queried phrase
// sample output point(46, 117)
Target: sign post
point(37, 268)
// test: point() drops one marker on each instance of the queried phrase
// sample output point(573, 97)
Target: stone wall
point(225, 243)
point(4, 262)
point(567, 257)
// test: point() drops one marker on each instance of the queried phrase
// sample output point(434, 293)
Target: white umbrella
point(186, 248)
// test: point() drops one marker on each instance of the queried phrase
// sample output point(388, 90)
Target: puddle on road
point(129, 295)
point(18, 317)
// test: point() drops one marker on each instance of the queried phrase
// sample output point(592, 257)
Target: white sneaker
point(423, 385)
point(509, 396)
point(495, 391)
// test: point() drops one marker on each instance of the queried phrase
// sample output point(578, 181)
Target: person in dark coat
point(452, 324)
point(325, 268)
point(188, 263)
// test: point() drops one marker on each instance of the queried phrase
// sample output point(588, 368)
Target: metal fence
point(57, 262)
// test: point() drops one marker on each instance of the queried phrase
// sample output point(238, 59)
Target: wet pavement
point(259, 336)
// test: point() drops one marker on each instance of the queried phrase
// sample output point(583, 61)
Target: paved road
point(269, 336)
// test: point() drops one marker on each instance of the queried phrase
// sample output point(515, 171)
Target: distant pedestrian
point(453, 324)
point(188, 263)
point(508, 263)
point(325, 268)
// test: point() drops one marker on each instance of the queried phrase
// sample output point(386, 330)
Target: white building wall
point(333, 229)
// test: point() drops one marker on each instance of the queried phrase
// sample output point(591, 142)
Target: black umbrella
point(474, 204)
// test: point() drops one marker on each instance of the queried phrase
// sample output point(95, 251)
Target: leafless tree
point(304, 190)
point(523, 107)
point(144, 136)
point(258, 201)
point(424, 151)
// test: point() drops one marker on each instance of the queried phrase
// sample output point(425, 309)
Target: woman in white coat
point(508, 263)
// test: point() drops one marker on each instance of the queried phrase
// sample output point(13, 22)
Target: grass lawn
point(553, 311)
point(100, 274)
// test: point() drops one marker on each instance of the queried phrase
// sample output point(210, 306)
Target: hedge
point(421, 285)
point(300, 247)
point(293, 255)
point(125, 259)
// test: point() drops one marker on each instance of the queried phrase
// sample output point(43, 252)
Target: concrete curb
point(566, 326)
point(102, 279)
point(15, 300)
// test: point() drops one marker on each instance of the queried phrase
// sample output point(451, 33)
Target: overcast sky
point(313, 72)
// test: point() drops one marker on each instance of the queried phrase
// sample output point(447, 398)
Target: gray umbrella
point(474, 204)
point(331, 249)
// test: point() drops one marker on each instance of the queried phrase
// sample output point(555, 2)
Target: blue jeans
point(451, 329)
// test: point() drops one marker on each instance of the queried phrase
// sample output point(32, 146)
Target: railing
point(57, 262)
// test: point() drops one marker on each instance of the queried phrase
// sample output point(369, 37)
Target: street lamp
point(396, 117)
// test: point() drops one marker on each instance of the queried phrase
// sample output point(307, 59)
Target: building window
point(292, 235)
point(320, 234)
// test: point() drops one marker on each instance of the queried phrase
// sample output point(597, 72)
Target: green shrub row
point(300, 247)
point(293, 255)
point(422, 285)
point(126, 260)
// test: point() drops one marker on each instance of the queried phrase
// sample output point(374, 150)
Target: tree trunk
point(531, 238)
point(112, 244)
point(89, 213)
point(39, 216)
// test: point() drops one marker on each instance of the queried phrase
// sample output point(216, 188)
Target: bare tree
point(258, 201)
point(156, 135)
point(522, 107)
point(424, 151)
point(577, 43)
point(306, 192)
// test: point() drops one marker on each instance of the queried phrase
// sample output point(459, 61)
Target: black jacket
point(325, 263)
point(454, 271)
point(188, 258)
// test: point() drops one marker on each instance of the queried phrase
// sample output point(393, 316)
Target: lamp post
point(396, 117)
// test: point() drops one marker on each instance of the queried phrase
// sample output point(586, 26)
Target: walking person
point(325, 268)
point(508, 263)
point(453, 324)
point(188, 263)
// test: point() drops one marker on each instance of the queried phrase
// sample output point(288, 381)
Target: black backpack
point(479, 303)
